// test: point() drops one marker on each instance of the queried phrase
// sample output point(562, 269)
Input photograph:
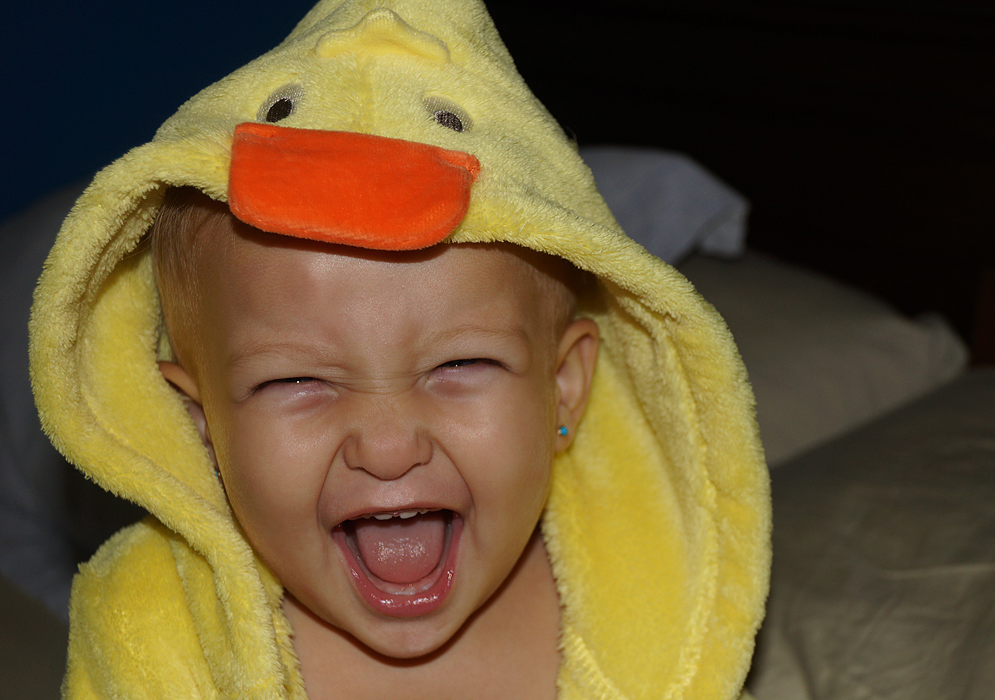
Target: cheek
point(271, 473)
point(538, 452)
point(513, 449)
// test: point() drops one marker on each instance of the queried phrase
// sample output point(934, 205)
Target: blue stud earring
point(562, 430)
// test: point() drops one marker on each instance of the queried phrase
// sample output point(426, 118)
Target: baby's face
point(385, 424)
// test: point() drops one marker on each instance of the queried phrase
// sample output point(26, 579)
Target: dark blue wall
point(83, 82)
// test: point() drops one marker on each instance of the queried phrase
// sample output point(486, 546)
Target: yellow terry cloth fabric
point(658, 520)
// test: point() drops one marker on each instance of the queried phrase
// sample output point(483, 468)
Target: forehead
point(258, 279)
point(256, 260)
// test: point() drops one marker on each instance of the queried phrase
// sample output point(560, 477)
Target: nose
point(387, 442)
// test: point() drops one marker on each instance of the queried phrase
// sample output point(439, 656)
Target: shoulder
point(132, 579)
point(131, 630)
point(125, 557)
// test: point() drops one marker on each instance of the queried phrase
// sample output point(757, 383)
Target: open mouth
point(402, 562)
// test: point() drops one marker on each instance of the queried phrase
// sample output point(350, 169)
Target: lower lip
point(400, 604)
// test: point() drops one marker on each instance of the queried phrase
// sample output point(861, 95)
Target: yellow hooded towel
point(658, 520)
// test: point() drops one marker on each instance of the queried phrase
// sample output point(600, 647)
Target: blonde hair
point(185, 224)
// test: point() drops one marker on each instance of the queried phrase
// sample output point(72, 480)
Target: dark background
point(862, 132)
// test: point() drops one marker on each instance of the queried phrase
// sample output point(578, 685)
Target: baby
point(411, 416)
point(384, 424)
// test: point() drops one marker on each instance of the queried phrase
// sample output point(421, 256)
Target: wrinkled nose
point(387, 444)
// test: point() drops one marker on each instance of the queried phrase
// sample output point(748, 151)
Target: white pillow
point(822, 357)
point(668, 203)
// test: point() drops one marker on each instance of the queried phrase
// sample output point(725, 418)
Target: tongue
point(401, 551)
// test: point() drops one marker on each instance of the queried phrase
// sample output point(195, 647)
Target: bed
point(836, 212)
point(884, 557)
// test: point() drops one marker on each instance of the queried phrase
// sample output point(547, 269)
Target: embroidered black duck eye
point(281, 104)
point(281, 109)
point(449, 120)
point(446, 113)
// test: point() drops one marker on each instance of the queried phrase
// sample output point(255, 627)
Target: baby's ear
point(181, 380)
point(576, 356)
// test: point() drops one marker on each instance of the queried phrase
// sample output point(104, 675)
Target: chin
point(408, 640)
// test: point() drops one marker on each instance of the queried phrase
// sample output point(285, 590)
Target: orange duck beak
point(352, 189)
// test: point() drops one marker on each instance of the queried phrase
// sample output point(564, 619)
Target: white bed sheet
point(883, 584)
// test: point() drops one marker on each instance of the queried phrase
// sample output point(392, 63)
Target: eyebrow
point(254, 351)
point(449, 334)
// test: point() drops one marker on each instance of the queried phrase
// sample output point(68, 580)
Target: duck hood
point(658, 519)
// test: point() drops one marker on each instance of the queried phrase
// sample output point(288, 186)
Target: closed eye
point(469, 369)
point(285, 380)
point(452, 364)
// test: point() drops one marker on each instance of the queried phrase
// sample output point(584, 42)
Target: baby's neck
point(507, 650)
